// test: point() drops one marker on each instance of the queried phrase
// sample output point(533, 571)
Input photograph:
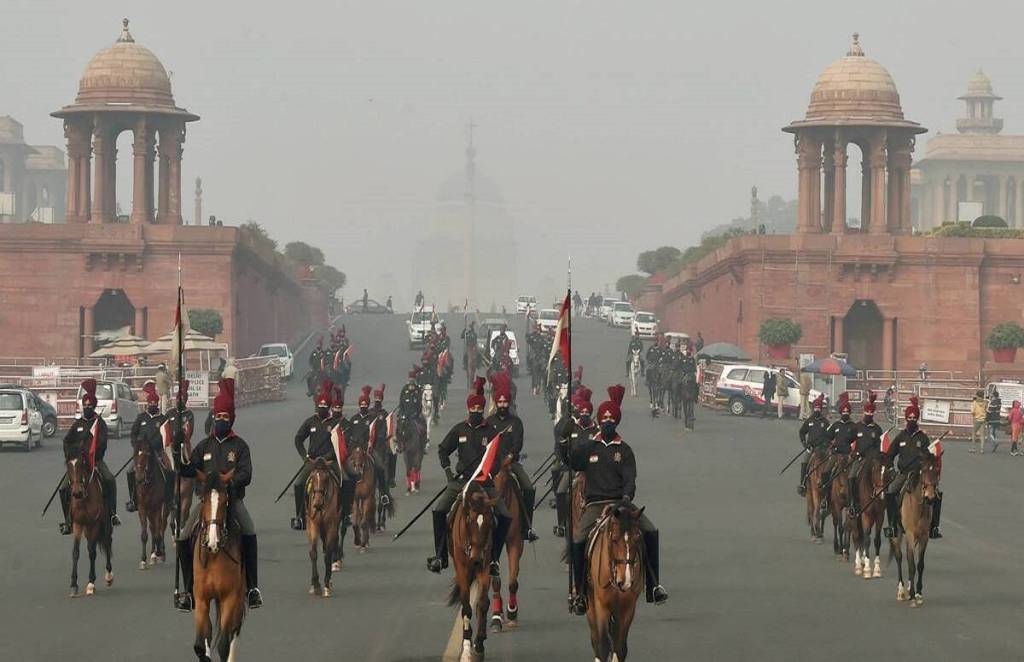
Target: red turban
point(613, 405)
point(476, 395)
point(224, 403)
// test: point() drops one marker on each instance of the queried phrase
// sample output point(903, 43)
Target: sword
point(290, 482)
point(55, 490)
point(420, 514)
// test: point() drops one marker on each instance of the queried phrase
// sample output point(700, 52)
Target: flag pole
point(179, 433)
point(569, 528)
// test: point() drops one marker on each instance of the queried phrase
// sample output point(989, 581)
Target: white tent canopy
point(193, 341)
point(127, 345)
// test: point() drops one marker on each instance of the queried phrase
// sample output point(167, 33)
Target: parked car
point(547, 319)
point(282, 352)
point(605, 310)
point(525, 303)
point(621, 315)
point(117, 404)
point(372, 308)
point(740, 387)
point(21, 422)
point(49, 412)
point(645, 324)
point(418, 325)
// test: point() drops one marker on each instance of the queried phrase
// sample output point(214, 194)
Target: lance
point(790, 463)
point(123, 466)
point(55, 490)
point(546, 464)
point(420, 514)
point(290, 482)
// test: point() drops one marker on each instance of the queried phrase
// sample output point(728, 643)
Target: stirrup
point(531, 536)
point(558, 531)
point(64, 528)
point(130, 506)
point(659, 595)
point(495, 570)
point(578, 605)
point(436, 564)
point(385, 499)
point(934, 533)
point(183, 602)
point(115, 520)
point(297, 524)
point(254, 598)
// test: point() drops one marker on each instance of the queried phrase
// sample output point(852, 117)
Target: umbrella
point(127, 345)
point(723, 351)
point(830, 366)
point(193, 340)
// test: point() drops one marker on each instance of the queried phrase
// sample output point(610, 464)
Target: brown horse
point(218, 575)
point(815, 495)
point(508, 490)
point(577, 504)
point(410, 439)
point(364, 505)
point(470, 539)
point(615, 577)
point(871, 501)
point(323, 517)
point(919, 493)
point(839, 498)
point(89, 518)
point(471, 364)
point(151, 498)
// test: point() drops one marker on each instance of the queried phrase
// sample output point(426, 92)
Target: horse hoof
point(856, 570)
point(109, 578)
point(362, 550)
point(90, 588)
point(313, 590)
point(74, 592)
point(877, 574)
point(142, 565)
point(496, 623)
point(327, 592)
point(918, 601)
point(336, 566)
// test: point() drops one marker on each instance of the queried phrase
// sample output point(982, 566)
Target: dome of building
point(980, 87)
point(855, 88)
point(126, 73)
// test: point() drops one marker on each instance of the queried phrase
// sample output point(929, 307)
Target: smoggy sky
point(610, 127)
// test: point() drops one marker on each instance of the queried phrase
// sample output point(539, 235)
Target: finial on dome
point(855, 49)
point(126, 37)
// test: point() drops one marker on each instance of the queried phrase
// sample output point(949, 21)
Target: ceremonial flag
point(392, 424)
point(563, 338)
point(442, 363)
point(886, 441)
point(180, 330)
point(487, 464)
point(347, 357)
point(94, 431)
point(935, 448)
point(338, 444)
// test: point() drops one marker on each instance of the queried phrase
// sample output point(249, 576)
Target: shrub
point(1005, 335)
point(776, 331)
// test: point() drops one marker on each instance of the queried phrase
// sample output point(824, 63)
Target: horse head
point(479, 513)
point(78, 475)
point(625, 542)
point(214, 508)
point(929, 479)
point(141, 462)
point(319, 484)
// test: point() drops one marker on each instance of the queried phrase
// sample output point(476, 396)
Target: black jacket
point(358, 433)
point(842, 434)
point(511, 441)
point(867, 438)
point(610, 468)
point(813, 433)
point(221, 456)
point(470, 443)
point(146, 431)
point(567, 431)
point(80, 434)
point(318, 432)
point(909, 449)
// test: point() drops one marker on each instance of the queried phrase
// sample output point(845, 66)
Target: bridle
point(480, 518)
point(634, 551)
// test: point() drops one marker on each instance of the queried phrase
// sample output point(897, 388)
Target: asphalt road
point(745, 581)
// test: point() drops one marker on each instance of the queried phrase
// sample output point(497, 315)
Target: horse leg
point(481, 614)
point(877, 571)
point(143, 534)
point(620, 643)
point(312, 536)
point(911, 556)
point(90, 588)
point(514, 557)
point(328, 539)
point(897, 551)
point(600, 637)
point(75, 552)
point(497, 608)
point(204, 630)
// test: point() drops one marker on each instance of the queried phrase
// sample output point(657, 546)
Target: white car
point(525, 303)
point(117, 404)
point(548, 319)
point(605, 310)
point(418, 325)
point(645, 324)
point(21, 422)
point(622, 314)
point(740, 387)
point(282, 352)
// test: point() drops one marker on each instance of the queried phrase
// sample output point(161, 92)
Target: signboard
point(51, 371)
point(936, 411)
point(198, 388)
point(806, 360)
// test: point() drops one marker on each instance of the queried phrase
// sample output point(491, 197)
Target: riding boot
point(892, 509)
point(183, 600)
point(851, 490)
point(562, 513)
point(656, 593)
point(130, 505)
point(498, 541)
point(578, 600)
point(392, 470)
point(249, 561)
point(384, 486)
point(298, 522)
point(111, 496)
point(802, 487)
point(65, 506)
point(934, 532)
point(439, 561)
point(529, 497)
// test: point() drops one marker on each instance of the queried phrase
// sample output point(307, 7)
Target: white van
point(21, 422)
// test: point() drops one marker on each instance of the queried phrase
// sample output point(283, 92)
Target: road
point(745, 581)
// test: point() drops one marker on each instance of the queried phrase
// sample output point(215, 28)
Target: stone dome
point(855, 89)
point(125, 73)
point(980, 87)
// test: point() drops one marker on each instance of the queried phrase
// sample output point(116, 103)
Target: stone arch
point(112, 312)
point(862, 335)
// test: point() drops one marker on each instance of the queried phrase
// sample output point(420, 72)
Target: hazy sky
point(610, 127)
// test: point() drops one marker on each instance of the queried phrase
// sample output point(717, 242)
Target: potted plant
point(778, 335)
point(1004, 339)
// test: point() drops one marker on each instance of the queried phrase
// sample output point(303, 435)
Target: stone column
point(1018, 202)
point(837, 335)
point(938, 215)
point(171, 139)
point(1002, 190)
point(88, 330)
point(142, 160)
point(879, 224)
point(899, 162)
point(828, 198)
point(74, 154)
point(809, 164)
point(102, 149)
point(140, 320)
point(865, 192)
point(953, 191)
point(839, 187)
point(164, 176)
point(888, 327)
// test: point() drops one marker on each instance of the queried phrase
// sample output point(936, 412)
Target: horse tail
point(454, 595)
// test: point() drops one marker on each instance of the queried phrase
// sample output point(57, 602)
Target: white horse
point(634, 373)
point(427, 408)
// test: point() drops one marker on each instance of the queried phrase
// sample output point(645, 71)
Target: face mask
point(335, 412)
point(476, 418)
point(608, 430)
point(363, 409)
point(585, 420)
point(154, 409)
point(88, 411)
point(322, 411)
point(911, 426)
point(221, 428)
point(869, 418)
point(845, 416)
point(503, 411)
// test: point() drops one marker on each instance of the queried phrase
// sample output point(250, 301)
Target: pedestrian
point(781, 391)
point(767, 391)
point(923, 371)
point(978, 409)
point(388, 304)
point(1016, 424)
point(805, 392)
point(993, 415)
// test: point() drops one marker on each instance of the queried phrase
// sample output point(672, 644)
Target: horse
point(577, 504)
point(508, 490)
point(675, 392)
point(815, 495)
point(471, 364)
point(364, 502)
point(690, 394)
point(654, 385)
point(869, 486)
point(323, 518)
point(150, 496)
point(919, 492)
point(218, 576)
point(471, 536)
point(410, 439)
point(634, 373)
point(839, 497)
point(89, 518)
point(616, 567)
point(427, 407)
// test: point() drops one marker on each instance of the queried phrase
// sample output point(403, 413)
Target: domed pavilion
point(854, 101)
point(124, 88)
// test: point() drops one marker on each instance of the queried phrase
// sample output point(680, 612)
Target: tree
point(206, 321)
point(329, 279)
point(631, 284)
point(302, 253)
point(660, 259)
point(258, 234)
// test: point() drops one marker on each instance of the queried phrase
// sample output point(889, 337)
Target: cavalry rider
point(317, 430)
point(443, 341)
point(610, 469)
point(349, 479)
point(469, 440)
point(188, 424)
point(410, 399)
point(499, 344)
point(469, 335)
point(904, 456)
point(688, 362)
point(146, 435)
point(77, 441)
point(813, 435)
point(389, 459)
point(867, 441)
point(567, 432)
point(358, 436)
point(511, 428)
point(635, 345)
point(841, 435)
point(220, 452)
point(316, 366)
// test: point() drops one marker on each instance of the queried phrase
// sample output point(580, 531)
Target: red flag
point(373, 433)
point(94, 431)
point(392, 425)
point(338, 444)
point(935, 448)
point(487, 464)
point(563, 337)
point(442, 363)
point(886, 442)
point(347, 357)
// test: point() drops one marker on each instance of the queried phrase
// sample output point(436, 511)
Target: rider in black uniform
point(317, 430)
point(511, 427)
point(569, 429)
point(146, 436)
point(904, 456)
point(813, 435)
point(867, 442)
point(76, 442)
